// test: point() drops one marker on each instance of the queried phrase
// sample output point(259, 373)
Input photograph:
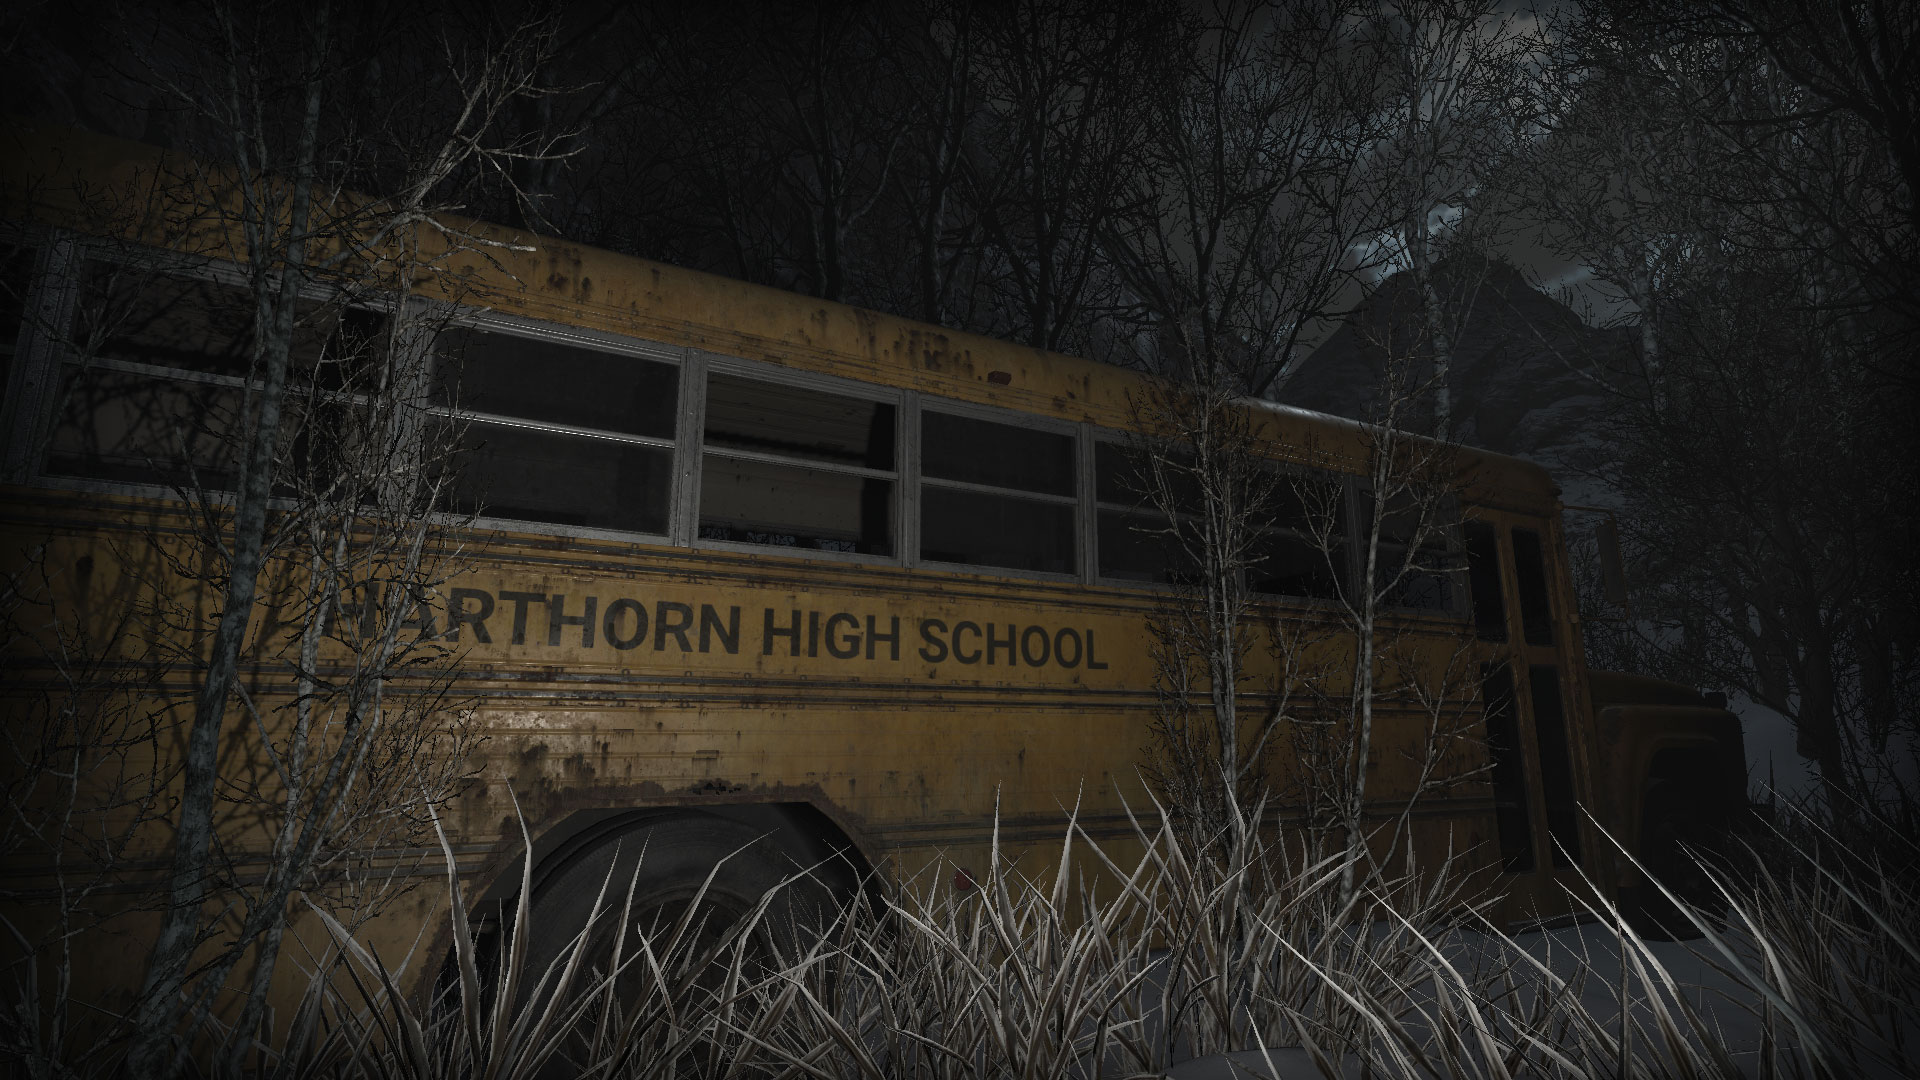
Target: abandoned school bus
point(750, 565)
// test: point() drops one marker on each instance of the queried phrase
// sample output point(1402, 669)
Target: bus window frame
point(686, 446)
point(584, 338)
point(701, 364)
point(1082, 470)
point(33, 373)
point(1453, 509)
point(42, 358)
point(1126, 440)
point(1286, 470)
point(1349, 573)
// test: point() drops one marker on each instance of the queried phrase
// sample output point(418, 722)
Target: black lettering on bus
point(458, 614)
point(792, 634)
point(419, 618)
point(520, 602)
point(961, 628)
point(728, 634)
point(557, 618)
point(995, 643)
point(677, 626)
point(930, 631)
point(341, 615)
point(1066, 634)
point(610, 624)
point(813, 633)
point(1026, 654)
point(874, 635)
point(843, 648)
point(1093, 664)
point(363, 613)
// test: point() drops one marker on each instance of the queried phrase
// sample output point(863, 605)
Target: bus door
point(1533, 747)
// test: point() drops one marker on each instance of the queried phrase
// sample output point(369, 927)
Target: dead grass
point(1183, 953)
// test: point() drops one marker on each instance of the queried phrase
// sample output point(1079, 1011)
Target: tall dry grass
point(1816, 961)
point(1105, 969)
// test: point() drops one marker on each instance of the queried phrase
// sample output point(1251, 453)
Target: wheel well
point(814, 837)
point(820, 840)
point(810, 834)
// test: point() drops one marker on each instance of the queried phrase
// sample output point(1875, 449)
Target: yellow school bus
point(752, 565)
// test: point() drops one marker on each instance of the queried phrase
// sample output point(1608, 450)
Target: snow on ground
point(1722, 1002)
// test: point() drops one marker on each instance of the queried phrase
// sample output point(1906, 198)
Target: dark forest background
point(1672, 250)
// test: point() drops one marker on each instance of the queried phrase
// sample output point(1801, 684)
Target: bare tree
point(1450, 72)
point(803, 124)
point(77, 782)
point(1856, 183)
point(1744, 195)
point(1249, 198)
point(1407, 559)
point(1200, 470)
point(1265, 176)
point(945, 240)
point(1257, 197)
point(310, 476)
point(1605, 175)
point(331, 771)
point(1232, 246)
point(1259, 702)
point(591, 78)
point(1058, 80)
point(831, 99)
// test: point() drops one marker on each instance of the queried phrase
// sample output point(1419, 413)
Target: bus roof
point(100, 185)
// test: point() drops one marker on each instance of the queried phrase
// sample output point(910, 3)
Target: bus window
point(16, 276)
point(1122, 477)
point(140, 429)
point(1116, 475)
point(525, 474)
point(1483, 581)
point(1134, 538)
point(1529, 569)
point(153, 385)
point(995, 494)
point(984, 452)
point(1509, 768)
point(559, 433)
point(1303, 550)
point(1423, 580)
point(1556, 764)
point(787, 466)
point(557, 383)
point(163, 321)
point(1285, 558)
point(1283, 564)
point(1135, 546)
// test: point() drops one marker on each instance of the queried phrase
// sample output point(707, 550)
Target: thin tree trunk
point(323, 585)
point(948, 128)
point(1641, 293)
point(1438, 338)
point(158, 1010)
point(1363, 736)
point(1222, 602)
point(193, 835)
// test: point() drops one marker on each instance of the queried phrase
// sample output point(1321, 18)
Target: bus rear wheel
point(717, 869)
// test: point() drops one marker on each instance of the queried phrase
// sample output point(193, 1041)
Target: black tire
point(1680, 836)
point(667, 860)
